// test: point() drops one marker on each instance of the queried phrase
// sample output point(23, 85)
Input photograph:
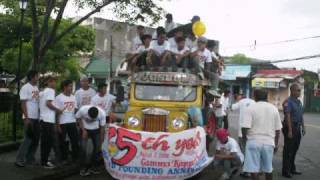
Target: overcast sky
point(238, 23)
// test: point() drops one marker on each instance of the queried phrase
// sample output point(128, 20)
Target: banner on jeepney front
point(134, 155)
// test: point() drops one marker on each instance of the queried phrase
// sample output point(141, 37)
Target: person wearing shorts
point(261, 131)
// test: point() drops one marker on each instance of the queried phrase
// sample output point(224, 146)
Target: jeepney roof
point(173, 78)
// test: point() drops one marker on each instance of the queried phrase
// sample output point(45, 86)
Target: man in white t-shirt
point(104, 101)
point(159, 50)
point(201, 55)
point(92, 122)
point(48, 121)
point(169, 24)
point(29, 96)
point(241, 105)
point(173, 40)
point(66, 102)
point(228, 154)
point(137, 42)
point(181, 53)
point(261, 129)
point(85, 93)
point(138, 57)
point(225, 101)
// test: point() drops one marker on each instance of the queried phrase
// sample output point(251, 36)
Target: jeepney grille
point(155, 123)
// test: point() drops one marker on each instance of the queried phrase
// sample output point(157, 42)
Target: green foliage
point(240, 59)
point(60, 58)
point(9, 59)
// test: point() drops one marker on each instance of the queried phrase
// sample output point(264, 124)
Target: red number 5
point(126, 145)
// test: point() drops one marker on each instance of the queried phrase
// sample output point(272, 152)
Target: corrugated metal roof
point(286, 74)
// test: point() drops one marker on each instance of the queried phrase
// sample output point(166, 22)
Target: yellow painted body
point(176, 109)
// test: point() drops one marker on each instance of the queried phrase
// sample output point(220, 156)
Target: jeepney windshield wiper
point(190, 93)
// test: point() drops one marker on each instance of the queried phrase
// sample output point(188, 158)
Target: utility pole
point(111, 56)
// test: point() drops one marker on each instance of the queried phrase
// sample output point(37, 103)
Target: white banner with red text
point(138, 155)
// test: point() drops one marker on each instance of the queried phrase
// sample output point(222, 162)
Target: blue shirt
point(294, 107)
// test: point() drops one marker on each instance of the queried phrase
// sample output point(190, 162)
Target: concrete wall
point(122, 35)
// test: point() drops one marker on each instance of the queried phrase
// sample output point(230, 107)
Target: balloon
point(199, 28)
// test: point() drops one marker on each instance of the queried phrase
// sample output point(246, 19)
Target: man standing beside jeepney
point(293, 130)
point(85, 93)
point(104, 101)
point(29, 96)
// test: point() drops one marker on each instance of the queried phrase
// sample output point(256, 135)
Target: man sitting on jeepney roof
point(138, 57)
point(201, 56)
point(180, 53)
point(173, 40)
point(159, 51)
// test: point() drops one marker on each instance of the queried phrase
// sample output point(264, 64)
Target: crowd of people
point(183, 50)
point(54, 119)
point(258, 134)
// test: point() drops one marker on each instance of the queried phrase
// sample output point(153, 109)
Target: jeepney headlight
point(133, 122)
point(178, 123)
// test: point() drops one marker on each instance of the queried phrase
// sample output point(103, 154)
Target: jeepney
point(159, 101)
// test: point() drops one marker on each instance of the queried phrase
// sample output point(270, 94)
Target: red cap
point(222, 135)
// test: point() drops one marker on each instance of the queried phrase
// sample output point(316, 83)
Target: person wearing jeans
point(67, 125)
point(92, 122)
point(29, 96)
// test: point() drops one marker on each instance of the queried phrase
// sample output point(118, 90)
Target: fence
point(11, 128)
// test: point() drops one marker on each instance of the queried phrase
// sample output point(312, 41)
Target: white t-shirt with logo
point(204, 56)
point(180, 52)
point(69, 104)
point(30, 94)
point(262, 120)
point(230, 147)
point(242, 105)
point(47, 114)
point(159, 49)
point(84, 97)
point(88, 123)
point(104, 102)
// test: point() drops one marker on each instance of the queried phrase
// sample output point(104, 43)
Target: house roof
point(100, 67)
point(286, 74)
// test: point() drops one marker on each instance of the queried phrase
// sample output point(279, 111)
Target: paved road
point(308, 158)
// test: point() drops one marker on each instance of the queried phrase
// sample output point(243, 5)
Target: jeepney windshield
point(151, 92)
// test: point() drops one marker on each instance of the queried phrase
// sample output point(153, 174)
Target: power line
point(292, 59)
point(255, 44)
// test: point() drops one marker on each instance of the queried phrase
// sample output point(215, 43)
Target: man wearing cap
point(228, 154)
point(169, 24)
point(85, 93)
point(201, 55)
point(195, 19)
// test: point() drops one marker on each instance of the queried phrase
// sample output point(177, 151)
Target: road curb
point(10, 146)
point(59, 173)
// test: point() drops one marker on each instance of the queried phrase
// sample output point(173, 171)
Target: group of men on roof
point(183, 50)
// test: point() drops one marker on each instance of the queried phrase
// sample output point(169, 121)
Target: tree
point(47, 32)
point(240, 59)
point(61, 58)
